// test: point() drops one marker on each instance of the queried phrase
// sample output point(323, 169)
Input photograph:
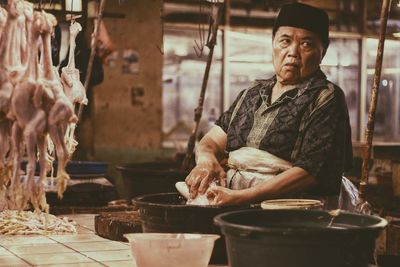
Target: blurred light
point(181, 51)
point(385, 71)
point(73, 5)
point(345, 61)
point(396, 34)
point(384, 82)
point(250, 37)
point(330, 59)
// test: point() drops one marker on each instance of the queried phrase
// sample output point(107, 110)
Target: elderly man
point(286, 136)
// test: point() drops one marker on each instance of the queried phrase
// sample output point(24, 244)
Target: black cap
point(305, 17)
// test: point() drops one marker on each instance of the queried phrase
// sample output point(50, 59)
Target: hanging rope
point(72, 12)
point(72, 8)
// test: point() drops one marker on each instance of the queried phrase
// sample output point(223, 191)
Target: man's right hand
point(206, 171)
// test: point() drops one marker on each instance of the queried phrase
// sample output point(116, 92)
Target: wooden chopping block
point(113, 225)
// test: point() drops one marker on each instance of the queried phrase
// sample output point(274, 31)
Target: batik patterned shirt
point(307, 125)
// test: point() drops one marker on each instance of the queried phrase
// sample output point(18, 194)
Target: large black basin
point(301, 238)
point(168, 213)
point(151, 177)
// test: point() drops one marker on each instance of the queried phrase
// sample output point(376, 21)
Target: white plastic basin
point(171, 250)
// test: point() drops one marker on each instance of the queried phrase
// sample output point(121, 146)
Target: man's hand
point(221, 196)
point(208, 153)
point(203, 174)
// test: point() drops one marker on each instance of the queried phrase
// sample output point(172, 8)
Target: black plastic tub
point(168, 213)
point(301, 238)
point(151, 177)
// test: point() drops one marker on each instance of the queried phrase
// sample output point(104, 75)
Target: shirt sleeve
point(225, 119)
point(325, 137)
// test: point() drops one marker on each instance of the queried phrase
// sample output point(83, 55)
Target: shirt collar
point(317, 80)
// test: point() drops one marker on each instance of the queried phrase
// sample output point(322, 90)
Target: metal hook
point(198, 49)
point(72, 12)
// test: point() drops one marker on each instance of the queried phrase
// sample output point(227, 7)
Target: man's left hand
point(222, 196)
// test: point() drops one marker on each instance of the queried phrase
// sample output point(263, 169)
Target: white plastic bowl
point(171, 250)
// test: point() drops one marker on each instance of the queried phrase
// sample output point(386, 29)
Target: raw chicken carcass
point(25, 34)
point(30, 124)
point(70, 77)
point(61, 113)
point(5, 164)
point(201, 200)
point(6, 89)
point(5, 96)
point(73, 87)
point(14, 35)
point(3, 20)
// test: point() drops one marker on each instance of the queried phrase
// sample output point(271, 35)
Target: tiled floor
point(70, 250)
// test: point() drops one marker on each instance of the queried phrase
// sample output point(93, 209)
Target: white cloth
point(250, 166)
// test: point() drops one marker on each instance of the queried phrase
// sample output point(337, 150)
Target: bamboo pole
point(93, 44)
point(189, 161)
point(369, 132)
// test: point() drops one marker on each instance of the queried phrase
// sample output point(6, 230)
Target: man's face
point(297, 54)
